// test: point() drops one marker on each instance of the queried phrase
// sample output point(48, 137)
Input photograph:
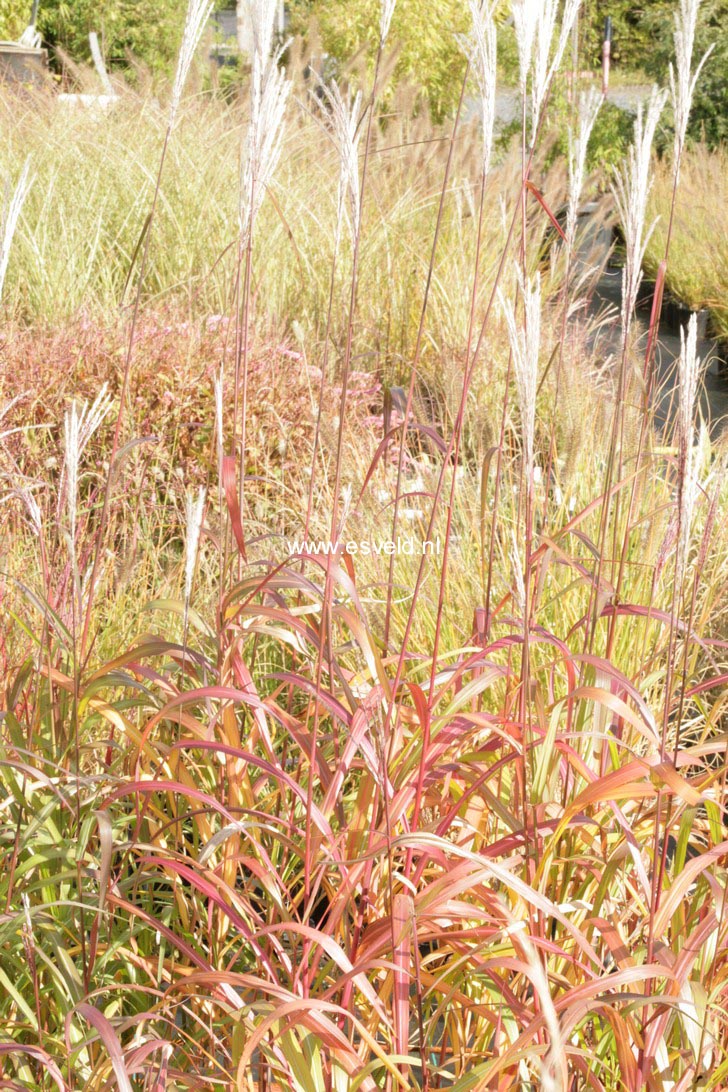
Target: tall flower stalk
point(525, 343)
point(588, 108)
point(631, 192)
point(80, 424)
point(525, 340)
point(269, 93)
point(198, 14)
point(589, 104)
point(481, 51)
point(683, 80)
point(343, 122)
point(688, 375)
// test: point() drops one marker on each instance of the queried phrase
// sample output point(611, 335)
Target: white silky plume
point(198, 14)
point(589, 104)
point(684, 81)
point(525, 15)
point(9, 224)
point(547, 60)
point(344, 115)
point(269, 93)
point(481, 51)
point(195, 507)
point(79, 425)
point(631, 191)
point(385, 21)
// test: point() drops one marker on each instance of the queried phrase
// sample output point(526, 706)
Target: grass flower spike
point(545, 65)
point(10, 222)
point(526, 16)
point(269, 94)
point(589, 104)
point(682, 84)
point(385, 21)
point(198, 13)
point(80, 424)
point(631, 191)
point(194, 511)
point(481, 51)
point(345, 128)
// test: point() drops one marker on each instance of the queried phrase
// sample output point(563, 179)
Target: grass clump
point(697, 274)
point(281, 811)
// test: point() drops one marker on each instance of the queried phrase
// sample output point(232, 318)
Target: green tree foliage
point(631, 35)
point(150, 30)
point(709, 117)
point(14, 18)
point(429, 56)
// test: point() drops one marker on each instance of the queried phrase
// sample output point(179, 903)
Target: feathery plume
point(545, 27)
point(262, 15)
point(589, 104)
point(263, 147)
point(11, 218)
point(345, 115)
point(269, 93)
point(198, 13)
point(194, 512)
point(33, 508)
point(525, 342)
point(688, 374)
point(525, 21)
point(543, 72)
point(385, 21)
point(78, 427)
point(631, 190)
point(682, 85)
point(481, 53)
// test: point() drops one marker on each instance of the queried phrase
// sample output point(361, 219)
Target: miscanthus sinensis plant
point(365, 827)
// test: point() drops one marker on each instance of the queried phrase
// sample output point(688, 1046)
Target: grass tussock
point(276, 815)
point(698, 270)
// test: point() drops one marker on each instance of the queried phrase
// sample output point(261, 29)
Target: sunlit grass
point(282, 822)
